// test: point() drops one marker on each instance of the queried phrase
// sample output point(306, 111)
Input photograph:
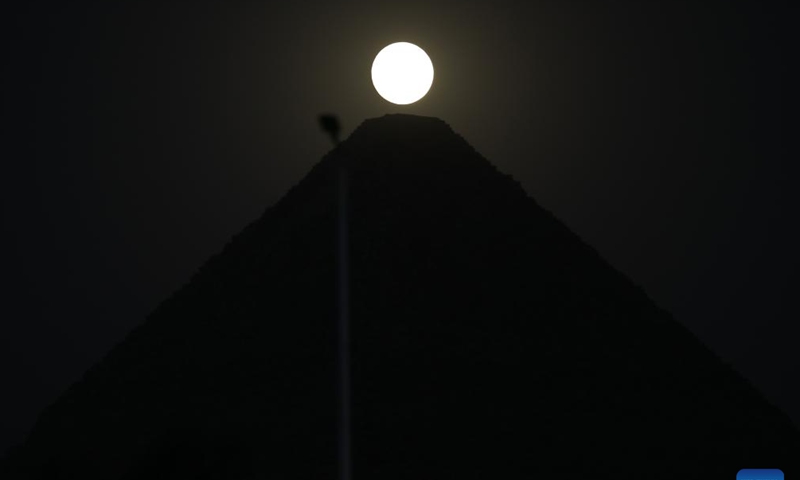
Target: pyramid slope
point(487, 339)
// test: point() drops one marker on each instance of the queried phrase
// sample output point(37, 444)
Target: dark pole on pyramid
point(330, 123)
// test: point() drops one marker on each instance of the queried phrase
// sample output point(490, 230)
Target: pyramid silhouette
point(486, 340)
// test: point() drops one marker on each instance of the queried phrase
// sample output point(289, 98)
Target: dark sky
point(137, 139)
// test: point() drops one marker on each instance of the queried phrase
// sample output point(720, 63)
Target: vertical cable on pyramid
point(344, 327)
point(330, 124)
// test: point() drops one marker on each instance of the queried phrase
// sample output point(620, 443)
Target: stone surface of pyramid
point(488, 341)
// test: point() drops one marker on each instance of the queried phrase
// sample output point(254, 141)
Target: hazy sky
point(138, 139)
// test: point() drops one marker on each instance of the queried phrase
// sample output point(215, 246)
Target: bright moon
point(402, 73)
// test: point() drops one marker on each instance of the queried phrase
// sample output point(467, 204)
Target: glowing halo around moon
point(402, 73)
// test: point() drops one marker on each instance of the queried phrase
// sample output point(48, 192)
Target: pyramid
point(487, 339)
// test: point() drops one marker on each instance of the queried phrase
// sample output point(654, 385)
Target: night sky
point(137, 139)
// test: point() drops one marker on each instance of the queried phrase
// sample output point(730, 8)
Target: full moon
point(402, 73)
